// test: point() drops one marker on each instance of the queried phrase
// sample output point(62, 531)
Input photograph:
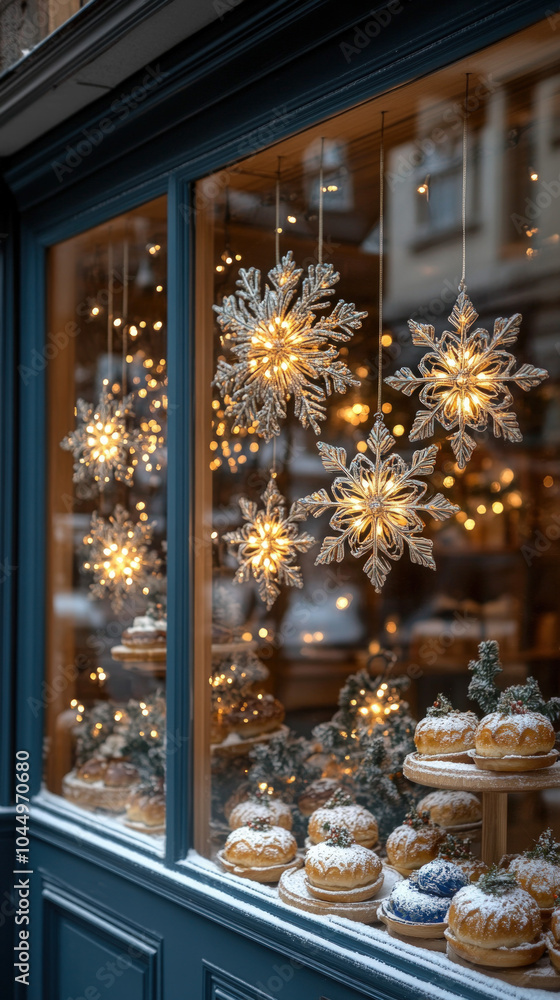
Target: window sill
point(363, 957)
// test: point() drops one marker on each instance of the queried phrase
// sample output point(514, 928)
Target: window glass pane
point(107, 473)
point(335, 663)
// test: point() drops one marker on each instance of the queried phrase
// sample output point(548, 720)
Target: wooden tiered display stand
point(494, 788)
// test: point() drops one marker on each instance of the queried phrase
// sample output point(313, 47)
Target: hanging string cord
point(273, 471)
point(277, 227)
point(125, 315)
point(381, 234)
point(109, 311)
point(321, 206)
point(462, 286)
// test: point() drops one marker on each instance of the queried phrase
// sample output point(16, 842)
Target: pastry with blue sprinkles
point(441, 878)
point(409, 903)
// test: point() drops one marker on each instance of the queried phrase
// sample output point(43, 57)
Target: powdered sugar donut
point(451, 808)
point(340, 863)
point(445, 730)
point(495, 913)
point(414, 843)
point(260, 846)
point(278, 812)
point(341, 811)
point(519, 733)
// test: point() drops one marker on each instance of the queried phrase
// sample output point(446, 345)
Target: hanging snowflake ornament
point(101, 443)
point(464, 378)
point(119, 557)
point(282, 349)
point(378, 505)
point(268, 544)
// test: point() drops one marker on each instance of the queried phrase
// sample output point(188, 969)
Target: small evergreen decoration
point(260, 823)
point(455, 849)
point(95, 726)
point(418, 820)
point(137, 731)
point(545, 849)
point(339, 798)
point(368, 738)
point(340, 836)
point(483, 688)
point(497, 882)
point(528, 697)
point(441, 706)
point(282, 764)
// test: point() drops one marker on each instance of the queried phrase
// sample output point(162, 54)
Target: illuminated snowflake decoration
point(101, 443)
point(119, 557)
point(282, 349)
point(268, 543)
point(463, 379)
point(377, 505)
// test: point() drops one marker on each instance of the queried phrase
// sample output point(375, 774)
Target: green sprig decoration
point(282, 763)
point(528, 697)
point(497, 882)
point(340, 797)
point(483, 688)
point(418, 820)
point(545, 849)
point(340, 836)
point(453, 848)
point(260, 823)
point(441, 706)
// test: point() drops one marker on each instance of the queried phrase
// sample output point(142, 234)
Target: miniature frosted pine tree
point(483, 688)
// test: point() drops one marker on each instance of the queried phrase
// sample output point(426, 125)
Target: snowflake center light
point(272, 349)
point(267, 545)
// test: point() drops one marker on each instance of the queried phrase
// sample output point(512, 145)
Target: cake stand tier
point(494, 787)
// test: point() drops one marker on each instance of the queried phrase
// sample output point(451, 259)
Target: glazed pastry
point(255, 715)
point(340, 863)
point(495, 913)
point(146, 633)
point(261, 807)
point(93, 770)
point(317, 794)
point(538, 871)
point(340, 810)
point(445, 730)
point(459, 852)
point(514, 732)
point(414, 843)
point(453, 808)
point(408, 902)
point(120, 774)
point(260, 845)
point(440, 878)
point(147, 808)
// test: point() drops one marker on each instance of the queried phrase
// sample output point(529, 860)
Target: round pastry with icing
point(458, 851)
point(495, 913)
point(340, 810)
point(516, 732)
point(414, 843)
point(256, 714)
point(451, 808)
point(261, 807)
point(408, 902)
point(317, 794)
point(120, 774)
point(538, 871)
point(445, 730)
point(260, 845)
point(340, 863)
point(93, 770)
point(146, 633)
point(555, 924)
point(440, 878)
point(146, 808)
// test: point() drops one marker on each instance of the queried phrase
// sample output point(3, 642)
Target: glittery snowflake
point(282, 350)
point(101, 442)
point(119, 557)
point(268, 543)
point(463, 379)
point(377, 505)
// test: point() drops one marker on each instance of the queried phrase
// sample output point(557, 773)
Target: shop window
point(106, 524)
point(321, 690)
